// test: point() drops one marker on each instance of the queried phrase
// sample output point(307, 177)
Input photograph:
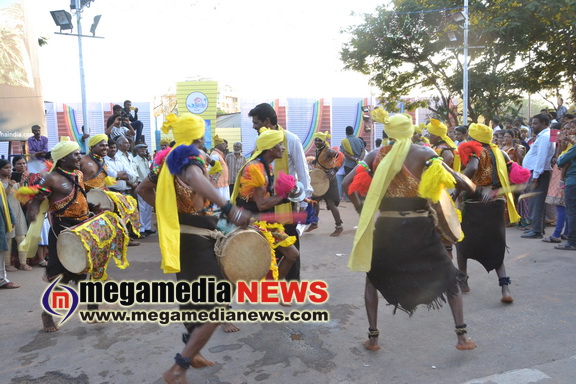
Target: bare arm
point(264, 203)
point(147, 191)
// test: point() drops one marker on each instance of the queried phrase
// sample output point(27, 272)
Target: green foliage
point(527, 46)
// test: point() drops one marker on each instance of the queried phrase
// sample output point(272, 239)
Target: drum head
point(71, 252)
point(319, 181)
point(96, 196)
point(448, 222)
point(246, 255)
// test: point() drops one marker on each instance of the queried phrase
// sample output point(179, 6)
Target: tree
point(407, 47)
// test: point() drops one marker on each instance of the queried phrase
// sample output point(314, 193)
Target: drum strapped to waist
point(125, 206)
point(89, 246)
point(448, 222)
point(243, 254)
point(319, 181)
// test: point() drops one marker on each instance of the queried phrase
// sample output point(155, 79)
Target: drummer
point(62, 193)
point(93, 165)
point(327, 161)
point(401, 252)
point(254, 190)
point(183, 186)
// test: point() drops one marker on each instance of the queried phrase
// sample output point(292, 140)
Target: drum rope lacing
point(208, 234)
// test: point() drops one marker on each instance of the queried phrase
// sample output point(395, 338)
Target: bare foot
point(372, 344)
point(465, 343)
point(200, 361)
point(464, 287)
point(229, 327)
point(337, 231)
point(506, 297)
point(312, 227)
point(175, 375)
point(48, 323)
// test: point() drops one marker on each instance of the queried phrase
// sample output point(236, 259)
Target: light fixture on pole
point(63, 20)
point(452, 36)
point(95, 25)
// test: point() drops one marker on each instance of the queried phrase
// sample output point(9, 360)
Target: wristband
point(226, 208)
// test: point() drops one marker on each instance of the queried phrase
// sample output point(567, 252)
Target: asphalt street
point(529, 341)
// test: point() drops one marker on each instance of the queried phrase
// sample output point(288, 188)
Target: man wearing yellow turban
point(179, 189)
point(62, 193)
point(442, 144)
point(394, 249)
point(93, 165)
point(293, 162)
point(483, 220)
point(220, 179)
point(324, 172)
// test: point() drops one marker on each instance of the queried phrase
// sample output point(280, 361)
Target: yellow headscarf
point(268, 139)
point(400, 128)
point(419, 128)
point(438, 128)
point(164, 142)
point(217, 140)
point(483, 134)
point(63, 149)
point(186, 129)
point(324, 136)
point(97, 139)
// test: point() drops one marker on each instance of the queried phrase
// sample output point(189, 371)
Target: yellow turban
point(481, 133)
point(186, 127)
point(63, 149)
point(217, 140)
point(398, 127)
point(164, 142)
point(438, 128)
point(419, 128)
point(324, 136)
point(268, 139)
point(94, 140)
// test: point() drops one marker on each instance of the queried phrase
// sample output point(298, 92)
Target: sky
point(262, 48)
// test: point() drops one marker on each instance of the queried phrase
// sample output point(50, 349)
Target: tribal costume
point(332, 193)
point(485, 221)
point(409, 273)
point(98, 181)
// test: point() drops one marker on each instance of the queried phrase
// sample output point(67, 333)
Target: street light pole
point(82, 80)
point(465, 69)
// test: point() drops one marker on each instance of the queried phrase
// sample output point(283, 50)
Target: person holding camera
point(133, 120)
point(120, 127)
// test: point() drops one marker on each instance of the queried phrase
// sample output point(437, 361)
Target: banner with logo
point(21, 101)
point(199, 98)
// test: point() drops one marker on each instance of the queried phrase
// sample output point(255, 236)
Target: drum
point(98, 196)
point(89, 246)
point(448, 222)
point(125, 206)
point(244, 255)
point(319, 181)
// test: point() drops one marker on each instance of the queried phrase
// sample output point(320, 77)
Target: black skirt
point(484, 228)
point(410, 266)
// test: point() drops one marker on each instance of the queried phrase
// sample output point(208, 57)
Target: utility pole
point(465, 69)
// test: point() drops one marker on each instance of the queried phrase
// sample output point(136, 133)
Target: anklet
point(461, 329)
point(504, 281)
point(373, 333)
point(182, 361)
point(185, 337)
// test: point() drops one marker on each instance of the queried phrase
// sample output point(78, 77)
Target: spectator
point(5, 226)
point(353, 150)
point(538, 160)
point(116, 111)
point(132, 120)
point(164, 143)
point(38, 147)
point(496, 124)
point(117, 129)
point(378, 143)
point(220, 179)
point(561, 110)
point(569, 197)
point(142, 162)
point(460, 134)
point(20, 226)
point(235, 161)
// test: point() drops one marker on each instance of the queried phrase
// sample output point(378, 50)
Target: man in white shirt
point(127, 159)
point(496, 124)
point(143, 169)
point(538, 161)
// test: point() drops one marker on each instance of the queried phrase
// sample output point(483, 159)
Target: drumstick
point(283, 217)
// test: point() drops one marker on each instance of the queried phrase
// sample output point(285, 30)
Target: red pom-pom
point(465, 150)
point(361, 182)
point(284, 184)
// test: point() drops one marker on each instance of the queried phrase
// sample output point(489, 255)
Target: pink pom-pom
point(518, 175)
point(284, 184)
point(160, 156)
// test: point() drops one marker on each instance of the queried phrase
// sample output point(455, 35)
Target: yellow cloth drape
point(281, 165)
point(347, 147)
point(33, 236)
point(400, 128)
point(436, 127)
point(6, 209)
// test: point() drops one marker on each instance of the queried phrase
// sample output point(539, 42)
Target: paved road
point(530, 341)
